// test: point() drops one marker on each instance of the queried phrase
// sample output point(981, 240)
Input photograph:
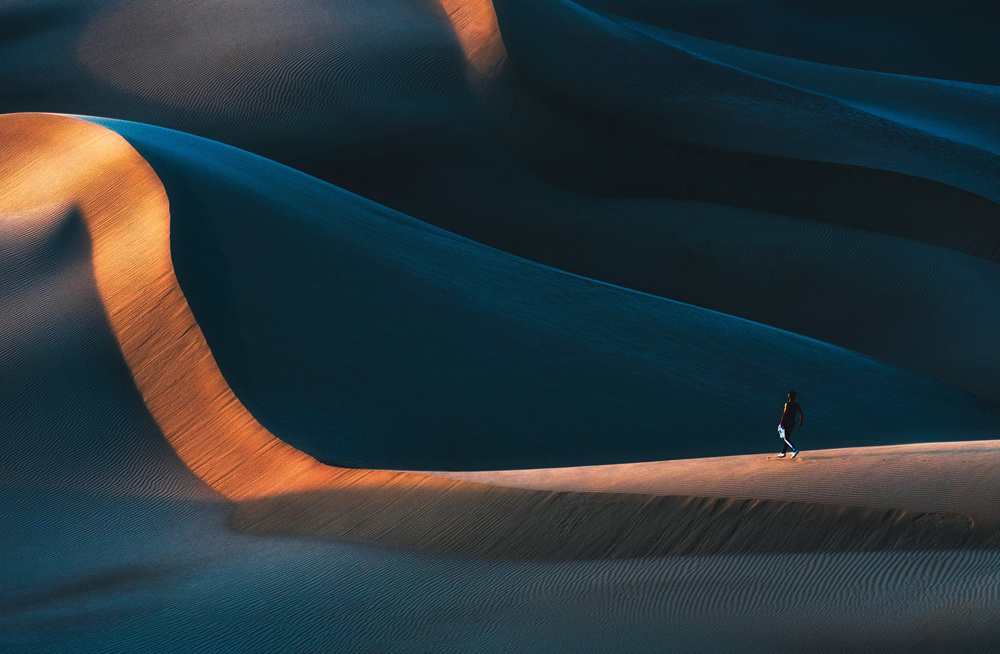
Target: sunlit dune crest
point(62, 161)
point(476, 25)
point(52, 160)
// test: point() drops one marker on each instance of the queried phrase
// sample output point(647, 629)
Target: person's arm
point(801, 415)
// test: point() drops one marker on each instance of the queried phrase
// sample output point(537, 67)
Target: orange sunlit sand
point(475, 24)
point(58, 161)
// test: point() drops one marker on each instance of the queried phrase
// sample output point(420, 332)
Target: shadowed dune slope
point(289, 79)
point(380, 100)
point(925, 308)
point(950, 110)
point(70, 416)
point(679, 93)
point(467, 154)
point(63, 162)
point(891, 36)
point(369, 96)
point(429, 351)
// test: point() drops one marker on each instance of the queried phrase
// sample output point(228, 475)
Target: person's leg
point(788, 444)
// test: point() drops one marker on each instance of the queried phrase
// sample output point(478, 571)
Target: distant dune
point(464, 326)
point(699, 92)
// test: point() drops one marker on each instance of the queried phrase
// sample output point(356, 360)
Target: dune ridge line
point(62, 161)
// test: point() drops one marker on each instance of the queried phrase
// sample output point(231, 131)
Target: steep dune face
point(56, 161)
point(64, 162)
point(893, 36)
point(677, 92)
point(121, 201)
point(425, 346)
point(418, 107)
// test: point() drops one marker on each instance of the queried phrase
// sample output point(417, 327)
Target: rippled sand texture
point(567, 255)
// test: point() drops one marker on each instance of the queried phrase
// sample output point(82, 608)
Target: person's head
point(791, 395)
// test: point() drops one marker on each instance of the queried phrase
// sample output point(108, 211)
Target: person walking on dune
point(787, 424)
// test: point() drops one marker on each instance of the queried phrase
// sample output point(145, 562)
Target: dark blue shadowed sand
point(367, 338)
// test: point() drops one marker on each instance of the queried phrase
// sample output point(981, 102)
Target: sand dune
point(320, 87)
point(225, 446)
point(915, 404)
point(554, 362)
point(569, 256)
point(668, 91)
point(91, 170)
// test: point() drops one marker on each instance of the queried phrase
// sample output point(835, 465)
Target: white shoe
point(782, 455)
point(795, 454)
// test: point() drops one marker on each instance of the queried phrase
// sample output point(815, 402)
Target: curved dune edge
point(65, 162)
point(54, 160)
point(475, 24)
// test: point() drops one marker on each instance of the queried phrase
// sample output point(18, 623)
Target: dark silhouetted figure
point(787, 424)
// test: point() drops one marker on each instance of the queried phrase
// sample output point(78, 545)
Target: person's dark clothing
point(788, 417)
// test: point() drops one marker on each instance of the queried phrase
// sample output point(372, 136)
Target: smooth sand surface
point(672, 78)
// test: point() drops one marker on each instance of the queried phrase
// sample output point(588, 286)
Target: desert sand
point(466, 326)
